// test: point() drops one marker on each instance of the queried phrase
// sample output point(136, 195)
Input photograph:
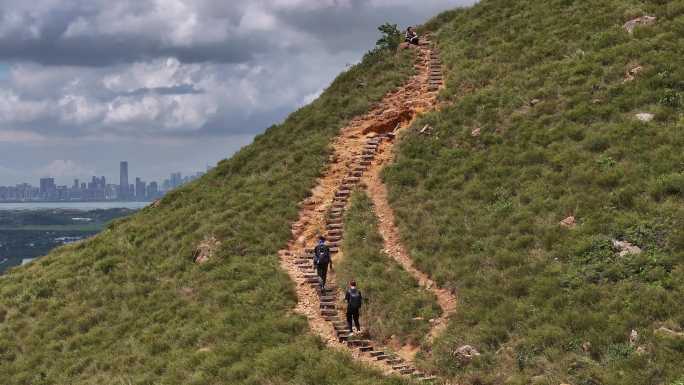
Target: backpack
point(322, 255)
point(354, 299)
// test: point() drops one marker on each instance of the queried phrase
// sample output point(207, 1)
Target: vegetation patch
point(396, 306)
point(544, 82)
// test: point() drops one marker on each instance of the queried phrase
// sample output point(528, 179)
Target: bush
point(391, 37)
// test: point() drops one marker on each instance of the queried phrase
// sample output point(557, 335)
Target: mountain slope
point(130, 306)
point(540, 123)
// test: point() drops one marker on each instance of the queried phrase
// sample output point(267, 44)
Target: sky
point(168, 85)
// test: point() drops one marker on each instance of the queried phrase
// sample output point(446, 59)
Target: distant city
point(96, 190)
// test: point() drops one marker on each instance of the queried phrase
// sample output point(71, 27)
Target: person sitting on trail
point(411, 36)
point(322, 260)
point(353, 299)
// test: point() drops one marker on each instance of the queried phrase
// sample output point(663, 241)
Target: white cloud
point(65, 168)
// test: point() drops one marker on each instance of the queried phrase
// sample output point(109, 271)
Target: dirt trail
point(364, 145)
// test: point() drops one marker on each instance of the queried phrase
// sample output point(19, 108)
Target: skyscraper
point(123, 181)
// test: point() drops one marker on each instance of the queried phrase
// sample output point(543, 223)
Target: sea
point(83, 206)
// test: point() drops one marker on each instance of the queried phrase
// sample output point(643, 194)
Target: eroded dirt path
point(359, 152)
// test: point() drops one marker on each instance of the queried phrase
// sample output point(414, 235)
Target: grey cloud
point(88, 77)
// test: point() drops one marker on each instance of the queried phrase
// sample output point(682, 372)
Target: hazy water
point(85, 206)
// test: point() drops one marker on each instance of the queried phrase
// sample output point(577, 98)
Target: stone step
point(406, 371)
point(395, 361)
point(382, 357)
point(333, 221)
point(427, 379)
point(328, 313)
point(366, 348)
point(308, 275)
point(302, 261)
point(343, 193)
point(334, 226)
point(376, 353)
point(352, 179)
point(358, 342)
point(313, 280)
point(334, 250)
point(365, 163)
point(327, 305)
point(342, 337)
point(398, 367)
point(339, 204)
point(335, 232)
point(328, 298)
point(334, 238)
point(368, 152)
point(357, 173)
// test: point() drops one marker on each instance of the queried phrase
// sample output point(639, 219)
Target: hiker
point(322, 260)
point(411, 36)
point(353, 299)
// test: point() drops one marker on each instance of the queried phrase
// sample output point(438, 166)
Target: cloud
point(65, 168)
point(85, 73)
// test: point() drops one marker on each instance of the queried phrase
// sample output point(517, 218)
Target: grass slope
point(130, 307)
point(481, 213)
point(393, 297)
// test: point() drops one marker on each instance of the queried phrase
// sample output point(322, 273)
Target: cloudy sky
point(169, 85)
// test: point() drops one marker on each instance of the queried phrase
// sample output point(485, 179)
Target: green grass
point(129, 306)
point(481, 214)
point(393, 298)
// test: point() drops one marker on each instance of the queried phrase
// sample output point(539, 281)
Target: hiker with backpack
point(411, 36)
point(322, 260)
point(354, 300)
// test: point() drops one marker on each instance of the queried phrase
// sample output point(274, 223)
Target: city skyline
point(97, 188)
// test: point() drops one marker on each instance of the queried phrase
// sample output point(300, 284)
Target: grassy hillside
point(396, 305)
point(131, 307)
point(544, 82)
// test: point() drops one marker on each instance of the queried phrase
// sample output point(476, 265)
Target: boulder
point(625, 248)
point(465, 354)
point(641, 20)
point(475, 132)
point(633, 337)
point(669, 333)
point(569, 222)
point(205, 250)
point(632, 73)
point(644, 117)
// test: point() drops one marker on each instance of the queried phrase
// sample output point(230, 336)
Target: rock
point(644, 117)
point(432, 320)
point(641, 350)
point(625, 248)
point(538, 380)
point(633, 337)
point(632, 73)
point(586, 346)
point(641, 20)
point(465, 354)
point(419, 319)
point(205, 250)
point(534, 102)
point(475, 132)
point(568, 223)
point(156, 203)
point(669, 333)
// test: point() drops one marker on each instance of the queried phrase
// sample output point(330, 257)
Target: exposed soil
point(359, 152)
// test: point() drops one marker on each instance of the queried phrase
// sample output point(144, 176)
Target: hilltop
point(529, 207)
